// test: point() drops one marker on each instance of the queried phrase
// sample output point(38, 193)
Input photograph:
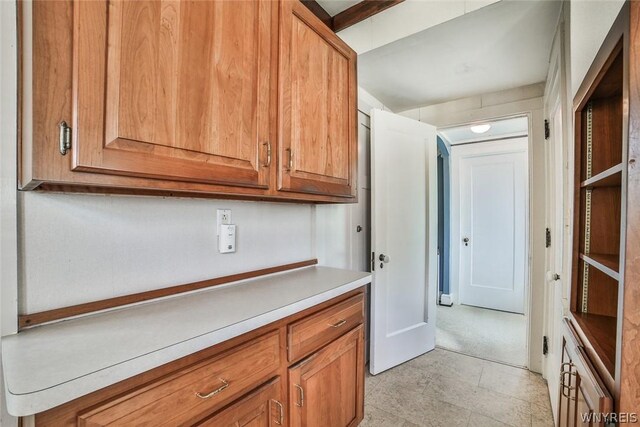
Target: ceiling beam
point(359, 12)
point(317, 10)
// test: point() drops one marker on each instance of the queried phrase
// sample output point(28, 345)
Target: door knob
point(383, 258)
point(466, 241)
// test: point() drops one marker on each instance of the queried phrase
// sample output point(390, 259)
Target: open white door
point(404, 239)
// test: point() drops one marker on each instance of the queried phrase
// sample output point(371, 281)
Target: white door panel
point(493, 205)
point(404, 228)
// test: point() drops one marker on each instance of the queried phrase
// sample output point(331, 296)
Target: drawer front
point(317, 330)
point(192, 393)
point(261, 408)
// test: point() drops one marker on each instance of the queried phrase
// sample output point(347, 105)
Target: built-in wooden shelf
point(611, 177)
point(608, 264)
point(601, 334)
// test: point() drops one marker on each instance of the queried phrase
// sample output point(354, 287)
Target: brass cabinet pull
point(281, 409)
point(563, 385)
point(290, 150)
point(214, 392)
point(337, 325)
point(301, 404)
point(268, 145)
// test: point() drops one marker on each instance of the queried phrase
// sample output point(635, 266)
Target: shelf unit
point(598, 209)
point(605, 274)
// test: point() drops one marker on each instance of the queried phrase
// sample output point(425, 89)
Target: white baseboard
point(446, 299)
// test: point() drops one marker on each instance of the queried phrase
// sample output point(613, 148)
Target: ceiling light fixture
point(480, 128)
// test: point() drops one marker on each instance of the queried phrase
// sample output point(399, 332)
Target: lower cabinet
point(583, 400)
point(251, 380)
point(326, 388)
point(262, 408)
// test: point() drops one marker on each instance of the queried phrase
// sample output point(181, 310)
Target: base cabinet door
point(262, 408)
point(584, 400)
point(327, 388)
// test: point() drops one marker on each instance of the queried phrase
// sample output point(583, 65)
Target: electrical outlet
point(224, 217)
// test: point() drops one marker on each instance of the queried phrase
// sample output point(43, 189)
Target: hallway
point(444, 388)
point(488, 334)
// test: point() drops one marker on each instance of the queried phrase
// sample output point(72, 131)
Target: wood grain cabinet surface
point(583, 396)
point(317, 106)
point(245, 381)
point(166, 97)
point(325, 390)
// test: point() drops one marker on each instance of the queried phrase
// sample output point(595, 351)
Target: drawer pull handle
point(281, 410)
point(337, 325)
point(301, 404)
point(214, 392)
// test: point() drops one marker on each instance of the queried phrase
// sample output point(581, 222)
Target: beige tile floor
point(444, 388)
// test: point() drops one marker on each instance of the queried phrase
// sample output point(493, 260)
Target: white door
point(558, 217)
point(404, 239)
point(493, 198)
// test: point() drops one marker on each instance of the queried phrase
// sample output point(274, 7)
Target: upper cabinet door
point(317, 106)
point(175, 90)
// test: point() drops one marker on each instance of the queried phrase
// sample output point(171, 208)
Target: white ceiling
point(501, 46)
point(506, 128)
point(334, 7)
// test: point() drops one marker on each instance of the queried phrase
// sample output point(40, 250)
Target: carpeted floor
point(488, 334)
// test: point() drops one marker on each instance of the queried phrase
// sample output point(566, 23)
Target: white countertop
point(49, 365)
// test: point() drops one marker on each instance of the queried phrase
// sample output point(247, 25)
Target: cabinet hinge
point(65, 137)
point(547, 130)
point(547, 239)
point(545, 345)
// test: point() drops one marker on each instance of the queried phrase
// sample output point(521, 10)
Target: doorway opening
point(483, 239)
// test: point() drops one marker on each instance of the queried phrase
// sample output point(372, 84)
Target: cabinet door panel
point(173, 90)
point(327, 388)
point(262, 408)
point(318, 150)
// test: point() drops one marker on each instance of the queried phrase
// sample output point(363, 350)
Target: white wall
point(525, 100)
point(8, 211)
point(590, 23)
point(79, 248)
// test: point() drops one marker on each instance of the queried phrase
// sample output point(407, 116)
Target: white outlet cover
point(223, 217)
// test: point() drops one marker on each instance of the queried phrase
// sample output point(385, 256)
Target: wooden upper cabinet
point(176, 90)
point(317, 106)
point(247, 99)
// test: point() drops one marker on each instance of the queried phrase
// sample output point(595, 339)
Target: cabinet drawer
point(190, 394)
point(317, 330)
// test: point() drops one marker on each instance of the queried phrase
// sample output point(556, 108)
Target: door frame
point(455, 264)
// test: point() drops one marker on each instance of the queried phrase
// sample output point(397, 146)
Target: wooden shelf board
point(608, 264)
point(601, 333)
point(611, 177)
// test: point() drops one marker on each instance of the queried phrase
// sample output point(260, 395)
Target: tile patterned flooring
point(444, 388)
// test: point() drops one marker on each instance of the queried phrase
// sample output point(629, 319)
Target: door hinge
point(547, 238)
point(547, 130)
point(65, 137)
point(545, 345)
point(373, 261)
